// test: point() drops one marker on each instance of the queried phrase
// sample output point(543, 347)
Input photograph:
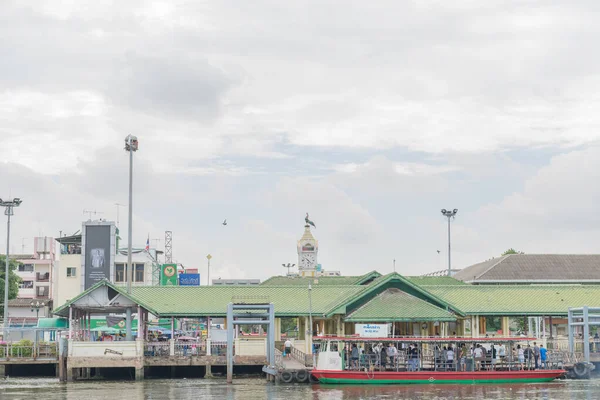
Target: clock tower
point(308, 248)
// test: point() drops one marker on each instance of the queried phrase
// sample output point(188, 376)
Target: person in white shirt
point(288, 347)
point(450, 357)
point(478, 354)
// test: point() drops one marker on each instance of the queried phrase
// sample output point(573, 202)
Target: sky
point(371, 117)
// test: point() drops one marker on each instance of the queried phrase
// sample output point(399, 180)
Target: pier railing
point(28, 351)
point(301, 357)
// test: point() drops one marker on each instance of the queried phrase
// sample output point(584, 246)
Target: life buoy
point(287, 377)
point(301, 375)
point(580, 370)
point(312, 378)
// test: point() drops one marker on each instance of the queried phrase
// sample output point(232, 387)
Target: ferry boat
point(428, 364)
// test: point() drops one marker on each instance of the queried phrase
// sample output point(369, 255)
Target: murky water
point(246, 389)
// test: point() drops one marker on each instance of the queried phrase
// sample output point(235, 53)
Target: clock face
point(308, 260)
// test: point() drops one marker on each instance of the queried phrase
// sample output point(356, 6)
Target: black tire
point(312, 378)
point(580, 370)
point(301, 376)
point(287, 377)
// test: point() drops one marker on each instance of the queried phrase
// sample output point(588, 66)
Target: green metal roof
point(321, 280)
point(396, 305)
point(518, 299)
point(212, 300)
point(434, 280)
point(392, 280)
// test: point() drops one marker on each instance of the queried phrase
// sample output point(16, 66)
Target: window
point(42, 291)
point(119, 272)
point(139, 273)
point(26, 285)
point(71, 272)
point(25, 267)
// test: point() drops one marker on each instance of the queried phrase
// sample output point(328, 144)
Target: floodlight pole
point(9, 205)
point(449, 214)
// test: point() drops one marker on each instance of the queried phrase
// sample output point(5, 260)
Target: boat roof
point(424, 339)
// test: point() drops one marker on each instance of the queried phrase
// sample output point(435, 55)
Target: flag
point(148, 243)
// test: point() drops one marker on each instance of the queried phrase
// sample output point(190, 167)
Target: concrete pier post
point(208, 371)
point(2, 370)
point(139, 373)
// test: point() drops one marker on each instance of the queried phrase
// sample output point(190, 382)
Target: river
point(257, 389)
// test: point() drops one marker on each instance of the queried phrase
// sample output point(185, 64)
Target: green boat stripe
point(428, 382)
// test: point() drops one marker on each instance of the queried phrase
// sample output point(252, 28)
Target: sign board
point(168, 275)
point(97, 254)
point(371, 330)
point(189, 279)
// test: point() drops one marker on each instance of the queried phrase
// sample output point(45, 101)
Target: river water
point(257, 388)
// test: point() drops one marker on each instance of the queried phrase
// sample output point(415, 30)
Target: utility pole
point(208, 257)
point(9, 205)
point(288, 266)
point(449, 214)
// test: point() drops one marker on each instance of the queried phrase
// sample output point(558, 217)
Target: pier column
point(2, 370)
point(208, 371)
point(277, 329)
point(139, 373)
point(505, 326)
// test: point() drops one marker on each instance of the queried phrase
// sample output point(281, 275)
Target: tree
point(13, 281)
point(512, 251)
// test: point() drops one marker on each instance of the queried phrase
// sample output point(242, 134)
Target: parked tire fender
point(580, 370)
point(312, 378)
point(287, 377)
point(301, 376)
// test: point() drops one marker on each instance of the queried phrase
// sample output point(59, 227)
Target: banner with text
point(189, 279)
point(371, 330)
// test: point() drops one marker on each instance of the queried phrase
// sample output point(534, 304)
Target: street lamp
point(449, 214)
point(288, 266)
point(208, 257)
point(131, 145)
point(36, 306)
point(310, 324)
point(9, 205)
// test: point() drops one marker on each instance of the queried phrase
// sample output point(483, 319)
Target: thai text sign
point(189, 279)
point(371, 330)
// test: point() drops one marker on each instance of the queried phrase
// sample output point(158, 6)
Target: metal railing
point(39, 351)
point(301, 357)
point(157, 349)
point(219, 348)
point(186, 349)
point(278, 359)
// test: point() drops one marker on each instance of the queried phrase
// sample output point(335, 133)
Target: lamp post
point(208, 257)
point(449, 214)
point(9, 205)
point(310, 324)
point(36, 306)
point(131, 145)
point(288, 266)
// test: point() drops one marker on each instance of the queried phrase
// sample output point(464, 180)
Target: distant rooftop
point(535, 268)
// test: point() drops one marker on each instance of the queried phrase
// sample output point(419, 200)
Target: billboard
point(97, 254)
point(189, 279)
point(168, 275)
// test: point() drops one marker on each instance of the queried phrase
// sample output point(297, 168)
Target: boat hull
point(433, 377)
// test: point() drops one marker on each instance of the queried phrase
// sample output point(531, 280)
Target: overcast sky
point(371, 116)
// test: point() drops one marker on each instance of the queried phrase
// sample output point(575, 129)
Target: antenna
point(90, 212)
point(168, 247)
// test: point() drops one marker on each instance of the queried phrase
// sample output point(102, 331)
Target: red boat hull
point(433, 377)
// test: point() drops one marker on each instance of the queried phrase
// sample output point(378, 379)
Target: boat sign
point(371, 330)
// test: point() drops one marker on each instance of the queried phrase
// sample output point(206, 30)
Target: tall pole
point(449, 252)
point(6, 275)
point(208, 257)
point(310, 323)
point(449, 214)
point(129, 228)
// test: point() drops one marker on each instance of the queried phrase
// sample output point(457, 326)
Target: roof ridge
point(493, 265)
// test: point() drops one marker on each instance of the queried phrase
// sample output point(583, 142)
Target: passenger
point(528, 356)
point(354, 357)
point(494, 354)
point(478, 354)
point(450, 358)
point(521, 356)
point(501, 353)
point(536, 355)
point(463, 357)
point(415, 357)
point(543, 355)
point(392, 352)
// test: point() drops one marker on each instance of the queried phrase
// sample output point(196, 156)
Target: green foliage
point(22, 348)
point(13, 281)
point(288, 324)
point(512, 251)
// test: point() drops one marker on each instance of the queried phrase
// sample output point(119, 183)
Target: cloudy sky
point(371, 116)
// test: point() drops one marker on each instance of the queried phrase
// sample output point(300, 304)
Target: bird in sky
point(438, 251)
point(225, 223)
